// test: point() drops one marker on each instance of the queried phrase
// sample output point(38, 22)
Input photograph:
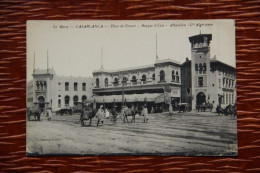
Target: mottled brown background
point(12, 82)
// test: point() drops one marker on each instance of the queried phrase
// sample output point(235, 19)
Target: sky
point(76, 51)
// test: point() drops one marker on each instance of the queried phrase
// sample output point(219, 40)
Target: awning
point(147, 97)
point(163, 98)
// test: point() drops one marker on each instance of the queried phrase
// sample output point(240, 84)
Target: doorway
point(201, 98)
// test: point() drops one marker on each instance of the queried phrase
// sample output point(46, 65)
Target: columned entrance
point(201, 98)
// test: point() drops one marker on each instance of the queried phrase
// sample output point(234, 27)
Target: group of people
point(114, 111)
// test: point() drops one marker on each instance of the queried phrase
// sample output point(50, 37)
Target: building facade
point(199, 80)
point(159, 82)
point(196, 81)
point(210, 80)
point(50, 90)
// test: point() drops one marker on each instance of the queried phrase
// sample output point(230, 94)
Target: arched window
point(38, 85)
point(75, 100)
point(106, 82)
point(134, 80)
point(173, 75)
point(196, 67)
point(97, 82)
point(226, 82)
point(153, 77)
point(177, 77)
point(144, 78)
point(162, 75)
point(67, 101)
point(84, 98)
point(124, 80)
point(200, 67)
point(204, 67)
point(115, 81)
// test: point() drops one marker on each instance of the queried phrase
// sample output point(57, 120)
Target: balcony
point(116, 84)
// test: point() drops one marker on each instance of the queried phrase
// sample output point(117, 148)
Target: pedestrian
point(152, 110)
point(170, 110)
point(49, 114)
point(106, 113)
point(100, 114)
point(145, 113)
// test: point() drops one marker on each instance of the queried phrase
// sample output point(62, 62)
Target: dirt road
point(179, 134)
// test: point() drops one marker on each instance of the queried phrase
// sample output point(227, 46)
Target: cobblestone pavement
point(189, 133)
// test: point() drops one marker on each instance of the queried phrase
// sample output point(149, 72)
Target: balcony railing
point(134, 83)
point(115, 84)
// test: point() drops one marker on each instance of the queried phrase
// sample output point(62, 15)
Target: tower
point(200, 68)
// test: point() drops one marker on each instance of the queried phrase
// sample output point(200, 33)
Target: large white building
point(159, 82)
point(47, 89)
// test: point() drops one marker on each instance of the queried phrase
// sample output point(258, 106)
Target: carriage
point(228, 110)
point(204, 107)
point(67, 110)
point(183, 107)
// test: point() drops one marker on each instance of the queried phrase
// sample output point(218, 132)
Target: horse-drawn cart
point(66, 110)
point(204, 107)
point(183, 107)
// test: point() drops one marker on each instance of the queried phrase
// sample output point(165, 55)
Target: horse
point(35, 111)
point(209, 106)
point(219, 110)
point(202, 107)
point(229, 110)
point(89, 114)
point(130, 112)
point(114, 114)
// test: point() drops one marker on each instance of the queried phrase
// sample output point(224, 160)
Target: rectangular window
point(83, 86)
point(66, 86)
point(59, 103)
point(200, 81)
point(75, 86)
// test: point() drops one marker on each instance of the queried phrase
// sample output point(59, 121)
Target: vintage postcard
point(161, 87)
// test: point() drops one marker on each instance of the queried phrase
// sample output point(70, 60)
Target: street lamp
point(123, 81)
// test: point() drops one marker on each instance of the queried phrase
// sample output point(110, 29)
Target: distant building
point(49, 90)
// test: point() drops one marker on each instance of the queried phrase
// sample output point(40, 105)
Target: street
point(189, 133)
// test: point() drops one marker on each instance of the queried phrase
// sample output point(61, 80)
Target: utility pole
point(34, 62)
point(156, 49)
point(47, 62)
point(123, 92)
point(102, 58)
